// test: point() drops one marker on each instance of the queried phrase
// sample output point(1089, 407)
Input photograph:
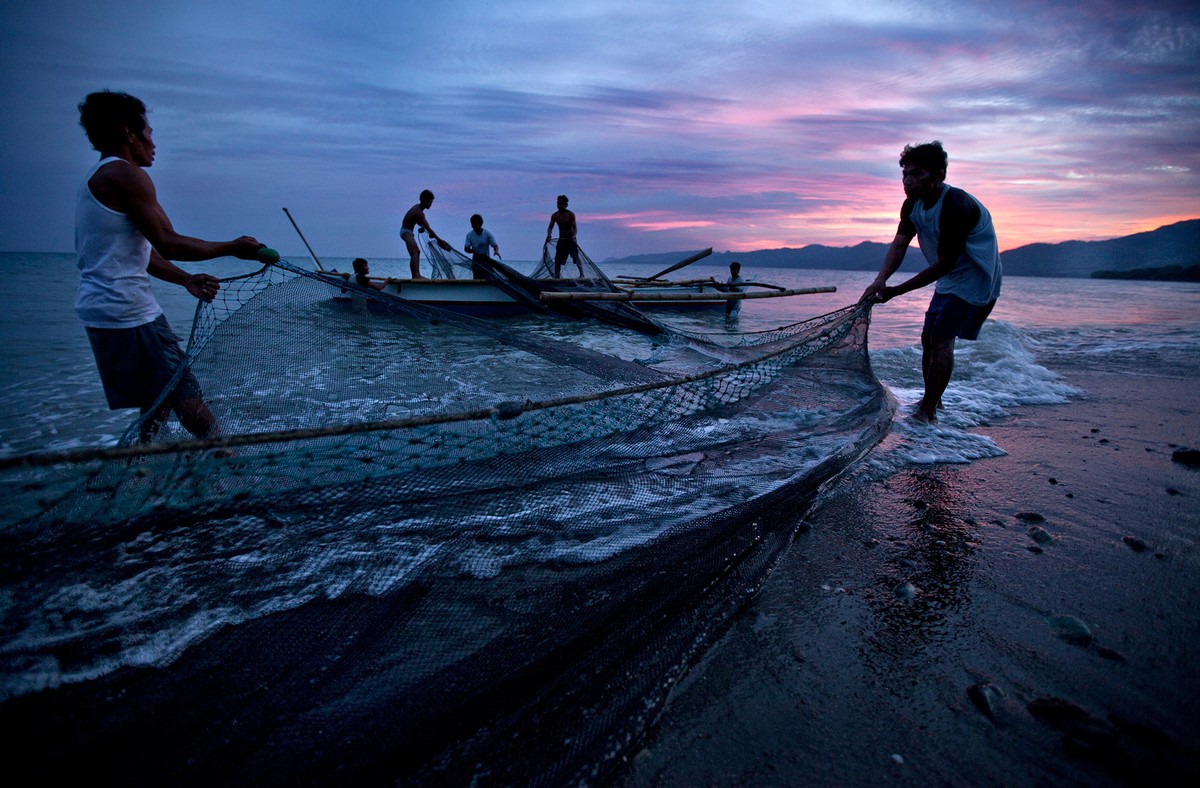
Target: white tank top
point(114, 288)
point(977, 274)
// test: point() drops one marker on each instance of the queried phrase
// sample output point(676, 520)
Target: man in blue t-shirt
point(959, 242)
point(479, 242)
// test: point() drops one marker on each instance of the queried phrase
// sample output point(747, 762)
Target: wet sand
point(917, 634)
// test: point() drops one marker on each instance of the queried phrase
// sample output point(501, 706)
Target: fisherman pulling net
point(531, 540)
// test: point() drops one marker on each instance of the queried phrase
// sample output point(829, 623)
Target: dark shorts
point(564, 249)
point(137, 363)
point(481, 266)
point(950, 316)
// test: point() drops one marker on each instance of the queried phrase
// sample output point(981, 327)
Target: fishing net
point(437, 549)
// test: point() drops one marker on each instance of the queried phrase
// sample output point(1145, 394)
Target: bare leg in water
point(193, 414)
point(937, 365)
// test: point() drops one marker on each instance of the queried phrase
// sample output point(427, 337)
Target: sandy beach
point(917, 634)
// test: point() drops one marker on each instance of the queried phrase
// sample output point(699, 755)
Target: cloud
point(673, 125)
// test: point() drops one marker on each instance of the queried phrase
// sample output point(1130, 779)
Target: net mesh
point(543, 566)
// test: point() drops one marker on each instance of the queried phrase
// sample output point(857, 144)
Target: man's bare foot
point(922, 416)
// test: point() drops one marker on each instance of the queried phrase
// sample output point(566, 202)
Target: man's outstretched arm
point(133, 189)
point(892, 259)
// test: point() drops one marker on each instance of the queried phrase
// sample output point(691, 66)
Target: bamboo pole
point(302, 238)
point(589, 296)
point(697, 256)
point(634, 281)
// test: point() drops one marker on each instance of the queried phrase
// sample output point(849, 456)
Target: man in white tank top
point(122, 238)
point(959, 243)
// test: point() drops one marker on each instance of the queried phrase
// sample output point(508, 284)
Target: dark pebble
point(1095, 430)
point(1188, 457)
point(1034, 549)
point(1053, 480)
point(1070, 495)
point(1135, 544)
point(1030, 517)
point(1103, 440)
point(1071, 629)
point(987, 698)
point(1040, 535)
point(1172, 491)
point(1110, 654)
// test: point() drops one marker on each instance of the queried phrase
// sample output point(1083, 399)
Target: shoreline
point(911, 635)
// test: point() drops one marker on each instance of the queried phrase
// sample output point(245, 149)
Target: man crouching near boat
point(122, 238)
point(959, 242)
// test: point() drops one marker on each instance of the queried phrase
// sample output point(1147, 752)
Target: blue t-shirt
point(481, 242)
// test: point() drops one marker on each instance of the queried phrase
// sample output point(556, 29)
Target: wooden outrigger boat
point(508, 292)
point(482, 298)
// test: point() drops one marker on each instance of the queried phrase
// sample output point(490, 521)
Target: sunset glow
point(671, 126)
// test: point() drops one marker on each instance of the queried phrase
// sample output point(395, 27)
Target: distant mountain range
point(1173, 245)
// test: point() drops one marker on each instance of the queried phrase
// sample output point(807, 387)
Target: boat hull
point(481, 298)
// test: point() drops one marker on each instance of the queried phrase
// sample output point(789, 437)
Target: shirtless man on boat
point(959, 243)
point(122, 238)
point(567, 231)
point(412, 220)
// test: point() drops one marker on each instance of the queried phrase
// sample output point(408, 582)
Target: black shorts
point(566, 248)
point(137, 363)
point(950, 316)
point(481, 266)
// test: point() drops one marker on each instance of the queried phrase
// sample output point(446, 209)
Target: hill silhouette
point(1172, 245)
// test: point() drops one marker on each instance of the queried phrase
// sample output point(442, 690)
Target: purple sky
point(671, 125)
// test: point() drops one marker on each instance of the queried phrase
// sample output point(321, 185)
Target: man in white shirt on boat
point(958, 241)
point(123, 237)
point(412, 220)
point(479, 241)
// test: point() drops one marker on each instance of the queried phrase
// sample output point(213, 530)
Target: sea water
point(185, 588)
point(51, 398)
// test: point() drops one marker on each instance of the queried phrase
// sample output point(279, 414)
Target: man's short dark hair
point(105, 116)
point(476, 219)
point(563, 198)
point(426, 195)
point(360, 264)
point(928, 155)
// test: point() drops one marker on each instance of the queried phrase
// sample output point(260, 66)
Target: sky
point(672, 126)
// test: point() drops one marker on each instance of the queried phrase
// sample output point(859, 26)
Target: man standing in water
point(122, 238)
point(567, 231)
point(412, 220)
point(735, 282)
point(959, 242)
